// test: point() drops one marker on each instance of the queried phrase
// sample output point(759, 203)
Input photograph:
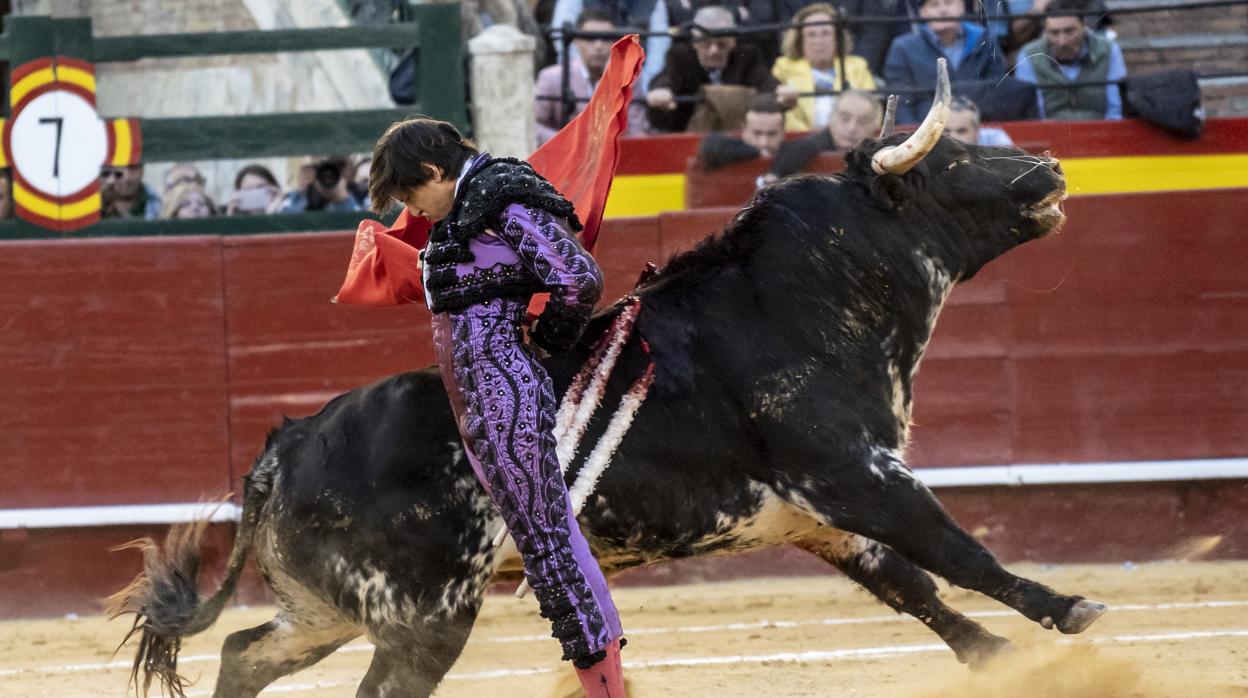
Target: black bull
point(785, 351)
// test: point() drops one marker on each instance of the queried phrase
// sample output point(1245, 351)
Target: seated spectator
point(183, 172)
point(963, 125)
point(124, 195)
point(1016, 32)
point(711, 57)
point(359, 183)
point(761, 137)
point(911, 65)
point(255, 191)
point(647, 15)
point(328, 190)
point(855, 118)
point(6, 193)
point(586, 70)
point(187, 200)
point(810, 64)
point(1069, 53)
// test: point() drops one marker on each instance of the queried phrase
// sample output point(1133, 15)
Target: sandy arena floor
point(1174, 629)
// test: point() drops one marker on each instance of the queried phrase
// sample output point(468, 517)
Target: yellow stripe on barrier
point(648, 195)
point(28, 83)
point(645, 195)
point(3, 162)
point(34, 203)
point(76, 76)
point(121, 143)
point(1145, 173)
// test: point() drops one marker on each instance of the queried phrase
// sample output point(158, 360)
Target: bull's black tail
point(165, 598)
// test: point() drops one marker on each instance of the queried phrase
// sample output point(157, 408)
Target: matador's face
point(433, 199)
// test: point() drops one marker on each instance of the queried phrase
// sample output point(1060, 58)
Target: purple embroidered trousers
point(505, 406)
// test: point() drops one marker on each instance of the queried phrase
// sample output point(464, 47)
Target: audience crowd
point(734, 68)
point(811, 69)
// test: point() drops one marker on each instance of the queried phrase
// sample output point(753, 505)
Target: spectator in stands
point(328, 190)
point(1068, 53)
point(964, 125)
point(586, 70)
point(187, 200)
point(124, 195)
point(761, 137)
point(359, 183)
point(1014, 33)
point(6, 193)
point(647, 15)
point(255, 191)
point(713, 57)
point(972, 54)
point(855, 118)
point(810, 64)
point(183, 172)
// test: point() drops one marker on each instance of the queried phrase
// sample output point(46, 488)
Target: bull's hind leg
point(411, 658)
point(252, 659)
point(882, 500)
point(904, 588)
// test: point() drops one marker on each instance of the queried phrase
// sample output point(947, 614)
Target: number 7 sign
point(56, 143)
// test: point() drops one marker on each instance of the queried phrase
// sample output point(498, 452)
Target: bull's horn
point(890, 117)
point(899, 159)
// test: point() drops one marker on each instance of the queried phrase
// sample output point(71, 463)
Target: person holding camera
point(255, 192)
point(329, 190)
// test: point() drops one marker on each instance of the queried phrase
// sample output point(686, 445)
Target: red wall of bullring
point(148, 370)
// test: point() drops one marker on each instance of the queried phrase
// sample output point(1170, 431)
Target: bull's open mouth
point(1048, 212)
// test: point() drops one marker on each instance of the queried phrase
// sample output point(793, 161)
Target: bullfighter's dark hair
point(405, 153)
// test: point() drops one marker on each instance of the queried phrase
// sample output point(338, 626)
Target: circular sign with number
point(56, 142)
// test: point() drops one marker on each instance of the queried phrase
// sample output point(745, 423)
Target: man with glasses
point(713, 57)
point(124, 195)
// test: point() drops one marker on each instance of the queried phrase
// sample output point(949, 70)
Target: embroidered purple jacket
point(509, 237)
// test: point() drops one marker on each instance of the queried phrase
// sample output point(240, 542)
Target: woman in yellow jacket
point(809, 63)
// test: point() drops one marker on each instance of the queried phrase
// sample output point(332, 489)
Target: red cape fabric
point(580, 161)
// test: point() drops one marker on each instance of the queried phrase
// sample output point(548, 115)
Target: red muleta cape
point(579, 161)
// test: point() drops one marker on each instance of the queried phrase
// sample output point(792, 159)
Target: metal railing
point(566, 34)
point(435, 33)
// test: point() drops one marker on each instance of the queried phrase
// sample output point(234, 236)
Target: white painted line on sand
point(726, 627)
point(782, 657)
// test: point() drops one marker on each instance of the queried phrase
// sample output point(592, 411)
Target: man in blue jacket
point(972, 53)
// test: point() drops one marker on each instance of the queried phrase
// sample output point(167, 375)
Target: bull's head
point(1009, 196)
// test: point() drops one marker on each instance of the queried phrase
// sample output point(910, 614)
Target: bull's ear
point(889, 191)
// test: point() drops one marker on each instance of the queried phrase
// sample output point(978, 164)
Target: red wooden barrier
point(113, 368)
point(148, 370)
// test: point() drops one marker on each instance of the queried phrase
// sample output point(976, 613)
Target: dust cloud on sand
point(1076, 669)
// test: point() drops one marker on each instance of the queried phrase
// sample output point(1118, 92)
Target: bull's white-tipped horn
point(899, 159)
point(890, 117)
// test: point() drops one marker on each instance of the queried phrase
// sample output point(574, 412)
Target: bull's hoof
point(1079, 617)
point(985, 651)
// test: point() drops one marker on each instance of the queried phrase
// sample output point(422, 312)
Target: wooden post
point(502, 91)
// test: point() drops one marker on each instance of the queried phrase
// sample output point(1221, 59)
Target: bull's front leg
point(878, 497)
point(904, 588)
